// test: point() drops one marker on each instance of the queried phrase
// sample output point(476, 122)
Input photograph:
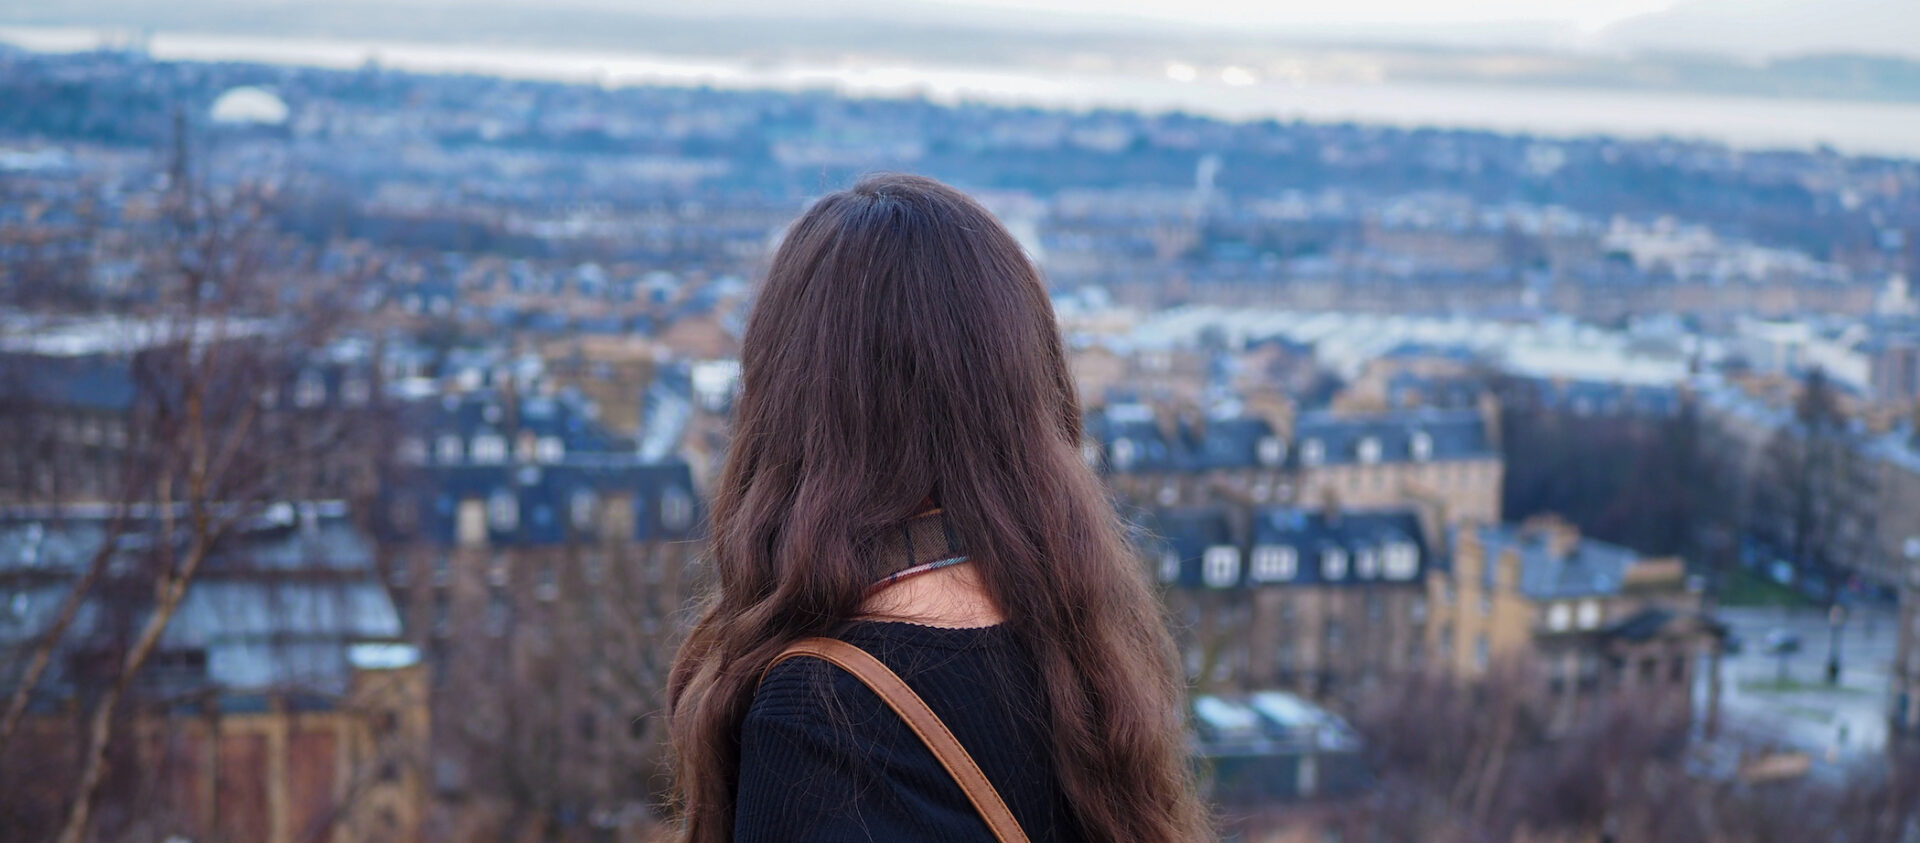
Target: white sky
point(1583, 14)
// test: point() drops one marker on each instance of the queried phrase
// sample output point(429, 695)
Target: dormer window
point(1369, 450)
point(450, 448)
point(1333, 563)
point(1401, 560)
point(1313, 452)
point(1275, 563)
point(355, 391)
point(1123, 453)
point(1420, 448)
point(1221, 565)
point(503, 510)
point(489, 448)
point(1589, 617)
point(1270, 450)
point(582, 507)
point(310, 390)
point(551, 449)
point(676, 508)
point(1559, 617)
point(1366, 563)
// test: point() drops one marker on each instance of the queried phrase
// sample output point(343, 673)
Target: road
point(1841, 723)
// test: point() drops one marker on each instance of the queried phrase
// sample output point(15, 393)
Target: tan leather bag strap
point(921, 719)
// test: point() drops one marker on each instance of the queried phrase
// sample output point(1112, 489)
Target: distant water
point(1749, 122)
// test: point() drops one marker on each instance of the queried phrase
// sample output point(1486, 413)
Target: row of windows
point(1272, 451)
point(485, 449)
point(502, 512)
point(1220, 564)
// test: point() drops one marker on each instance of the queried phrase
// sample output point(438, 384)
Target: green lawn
point(1745, 588)
point(1795, 686)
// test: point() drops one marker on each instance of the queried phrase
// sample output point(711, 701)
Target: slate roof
point(1589, 568)
point(1187, 533)
point(547, 497)
point(280, 607)
point(1453, 434)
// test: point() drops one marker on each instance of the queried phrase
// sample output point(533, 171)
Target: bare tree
point(216, 429)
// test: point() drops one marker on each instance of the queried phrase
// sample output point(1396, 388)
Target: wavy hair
point(903, 347)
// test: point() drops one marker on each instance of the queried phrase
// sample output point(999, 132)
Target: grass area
point(1745, 588)
point(1817, 715)
point(1795, 686)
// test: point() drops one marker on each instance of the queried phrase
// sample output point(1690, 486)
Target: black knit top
point(822, 758)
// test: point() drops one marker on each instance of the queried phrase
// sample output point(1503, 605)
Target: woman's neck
point(949, 597)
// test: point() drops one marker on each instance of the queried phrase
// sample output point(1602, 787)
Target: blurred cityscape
point(359, 423)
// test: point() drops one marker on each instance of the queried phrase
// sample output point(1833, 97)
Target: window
point(499, 612)
point(503, 510)
point(1589, 617)
point(442, 567)
point(489, 448)
point(1402, 561)
point(1090, 454)
point(1169, 493)
point(1420, 447)
point(546, 583)
point(1559, 617)
point(1275, 562)
point(1677, 670)
point(1417, 610)
point(1123, 454)
point(1270, 450)
point(581, 508)
point(1366, 563)
point(1369, 450)
point(676, 508)
point(1312, 452)
point(450, 450)
point(1221, 565)
point(1169, 566)
point(551, 449)
point(1333, 563)
point(1481, 652)
point(412, 450)
point(310, 390)
point(355, 391)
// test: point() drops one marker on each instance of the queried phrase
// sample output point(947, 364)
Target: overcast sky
point(1748, 27)
point(1739, 27)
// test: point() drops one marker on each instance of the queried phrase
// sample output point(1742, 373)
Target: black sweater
point(822, 758)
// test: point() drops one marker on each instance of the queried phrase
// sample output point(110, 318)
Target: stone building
point(1159, 458)
point(1323, 602)
point(1592, 617)
point(543, 567)
point(280, 704)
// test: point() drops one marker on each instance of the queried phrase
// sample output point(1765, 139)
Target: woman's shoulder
point(807, 688)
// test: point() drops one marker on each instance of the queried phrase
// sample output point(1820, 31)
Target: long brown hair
point(903, 347)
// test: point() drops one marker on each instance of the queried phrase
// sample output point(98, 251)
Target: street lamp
point(1835, 617)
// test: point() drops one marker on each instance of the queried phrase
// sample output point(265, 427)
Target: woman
point(906, 407)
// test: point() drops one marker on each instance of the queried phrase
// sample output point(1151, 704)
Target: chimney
point(1560, 537)
point(1330, 506)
